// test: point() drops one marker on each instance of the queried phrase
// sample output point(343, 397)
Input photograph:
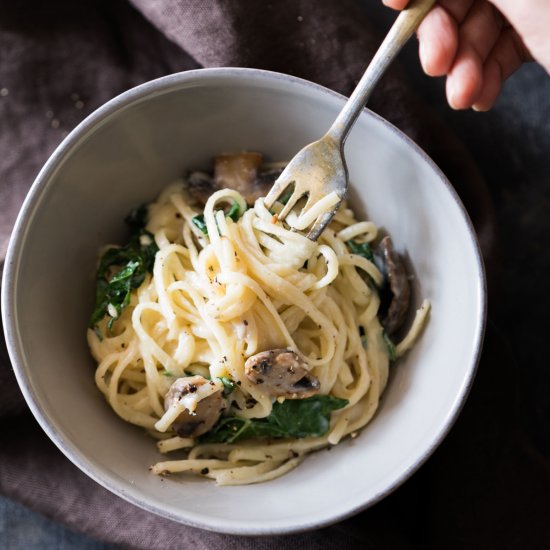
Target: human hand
point(478, 44)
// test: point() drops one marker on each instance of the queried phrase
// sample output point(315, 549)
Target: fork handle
point(405, 25)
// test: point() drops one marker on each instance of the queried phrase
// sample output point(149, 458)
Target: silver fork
point(319, 169)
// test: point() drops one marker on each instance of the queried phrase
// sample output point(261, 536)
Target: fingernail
point(451, 99)
point(451, 95)
point(421, 52)
point(479, 109)
point(423, 55)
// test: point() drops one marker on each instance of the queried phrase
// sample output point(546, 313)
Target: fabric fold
point(63, 59)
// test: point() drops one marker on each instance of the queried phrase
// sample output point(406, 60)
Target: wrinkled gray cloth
point(59, 61)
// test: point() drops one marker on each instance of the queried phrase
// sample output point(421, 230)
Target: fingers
point(477, 35)
point(470, 42)
point(457, 9)
point(507, 56)
point(481, 28)
point(396, 4)
point(438, 37)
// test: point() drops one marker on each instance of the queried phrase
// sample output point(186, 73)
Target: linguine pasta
point(215, 300)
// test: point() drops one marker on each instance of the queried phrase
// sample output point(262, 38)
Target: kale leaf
point(392, 353)
point(200, 223)
point(291, 418)
point(365, 251)
point(285, 197)
point(122, 270)
point(361, 249)
point(228, 385)
point(234, 213)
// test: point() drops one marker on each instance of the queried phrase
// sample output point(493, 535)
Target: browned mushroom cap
point(237, 171)
point(240, 171)
point(399, 286)
point(264, 182)
point(200, 186)
point(207, 412)
point(282, 373)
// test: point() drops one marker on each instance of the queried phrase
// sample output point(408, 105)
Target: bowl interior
point(124, 155)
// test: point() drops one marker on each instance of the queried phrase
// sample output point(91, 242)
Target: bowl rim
point(13, 259)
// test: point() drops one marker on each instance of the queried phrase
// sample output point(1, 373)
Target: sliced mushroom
point(396, 274)
point(200, 394)
point(282, 373)
point(201, 186)
point(239, 171)
point(263, 184)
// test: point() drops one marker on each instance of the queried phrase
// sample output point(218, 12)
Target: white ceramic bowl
point(123, 155)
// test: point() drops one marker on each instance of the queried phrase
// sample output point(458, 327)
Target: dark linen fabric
point(485, 487)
